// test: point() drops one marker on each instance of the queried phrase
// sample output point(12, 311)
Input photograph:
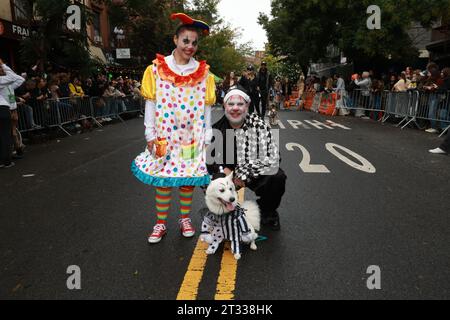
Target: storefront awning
point(97, 54)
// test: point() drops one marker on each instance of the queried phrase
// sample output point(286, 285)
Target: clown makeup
point(187, 46)
point(236, 110)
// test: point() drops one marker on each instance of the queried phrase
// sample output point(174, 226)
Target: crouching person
point(244, 144)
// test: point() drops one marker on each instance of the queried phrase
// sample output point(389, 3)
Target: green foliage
point(303, 30)
point(50, 44)
point(219, 48)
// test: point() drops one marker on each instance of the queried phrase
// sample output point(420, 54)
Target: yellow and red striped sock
point(163, 199)
point(186, 195)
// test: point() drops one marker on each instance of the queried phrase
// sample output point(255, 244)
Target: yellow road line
point(194, 274)
point(226, 284)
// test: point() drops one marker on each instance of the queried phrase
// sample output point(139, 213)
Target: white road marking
point(296, 124)
point(306, 165)
point(365, 165)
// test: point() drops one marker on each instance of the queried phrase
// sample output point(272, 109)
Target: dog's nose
point(232, 199)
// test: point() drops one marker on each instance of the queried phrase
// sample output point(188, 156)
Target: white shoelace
point(186, 223)
point(159, 228)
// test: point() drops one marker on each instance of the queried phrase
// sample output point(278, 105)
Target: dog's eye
point(222, 190)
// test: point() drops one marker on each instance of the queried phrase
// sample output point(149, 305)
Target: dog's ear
point(231, 176)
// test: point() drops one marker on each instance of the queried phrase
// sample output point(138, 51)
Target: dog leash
point(261, 238)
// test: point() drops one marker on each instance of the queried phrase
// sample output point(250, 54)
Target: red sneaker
point(159, 231)
point(187, 229)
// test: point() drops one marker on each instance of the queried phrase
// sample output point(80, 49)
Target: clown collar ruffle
point(192, 79)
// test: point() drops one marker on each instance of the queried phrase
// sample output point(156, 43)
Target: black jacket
point(256, 153)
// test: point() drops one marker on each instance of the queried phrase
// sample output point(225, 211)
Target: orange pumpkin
point(161, 147)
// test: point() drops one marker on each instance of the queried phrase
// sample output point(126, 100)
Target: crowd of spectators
point(433, 85)
point(62, 97)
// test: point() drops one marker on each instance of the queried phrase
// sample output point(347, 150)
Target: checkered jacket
point(256, 152)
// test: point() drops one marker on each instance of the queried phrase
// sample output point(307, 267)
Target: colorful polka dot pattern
point(180, 118)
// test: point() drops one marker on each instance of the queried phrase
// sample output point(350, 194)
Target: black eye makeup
point(187, 41)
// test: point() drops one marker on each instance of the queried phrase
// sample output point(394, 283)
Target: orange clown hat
point(188, 21)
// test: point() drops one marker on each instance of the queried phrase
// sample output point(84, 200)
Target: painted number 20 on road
point(336, 150)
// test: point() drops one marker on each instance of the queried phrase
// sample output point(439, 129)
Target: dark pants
point(270, 190)
point(5, 136)
point(254, 105)
point(264, 102)
point(446, 144)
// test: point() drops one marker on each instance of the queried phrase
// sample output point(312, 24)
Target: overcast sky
point(243, 15)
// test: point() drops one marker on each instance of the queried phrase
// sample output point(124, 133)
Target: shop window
point(21, 10)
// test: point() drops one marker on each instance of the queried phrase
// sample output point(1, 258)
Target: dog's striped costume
point(232, 227)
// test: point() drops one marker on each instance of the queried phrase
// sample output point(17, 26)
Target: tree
point(51, 44)
point(305, 30)
point(147, 24)
point(220, 48)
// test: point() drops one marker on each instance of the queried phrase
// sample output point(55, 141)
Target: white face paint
point(236, 110)
point(187, 44)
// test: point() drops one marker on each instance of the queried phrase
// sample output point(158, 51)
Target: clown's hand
point(206, 238)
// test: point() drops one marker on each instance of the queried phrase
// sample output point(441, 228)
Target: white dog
point(226, 220)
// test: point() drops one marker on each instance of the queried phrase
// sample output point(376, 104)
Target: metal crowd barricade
point(435, 108)
point(398, 105)
point(133, 104)
point(361, 101)
point(51, 113)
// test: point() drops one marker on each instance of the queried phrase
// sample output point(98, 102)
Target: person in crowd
point(409, 73)
point(415, 79)
point(179, 93)
point(403, 84)
point(302, 90)
point(262, 175)
point(265, 83)
point(75, 88)
point(64, 81)
point(287, 88)
point(377, 97)
point(392, 82)
point(249, 83)
point(231, 81)
point(118, 97)
point(278, 93)
point(9, 81)
point(432, 84)
point(443, 92)
point(341, 94)
point(444, 148)
point(365, 85)
point(39, 96)
point(329, 86)
point(88, 88)
point(65, 110)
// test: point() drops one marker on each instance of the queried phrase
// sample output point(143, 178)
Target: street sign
point(123, 54)
point(13, 31)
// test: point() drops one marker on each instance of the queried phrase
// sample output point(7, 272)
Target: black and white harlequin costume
point(256, 160)
point(231, 226)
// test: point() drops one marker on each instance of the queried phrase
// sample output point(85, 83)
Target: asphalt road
point(83, 207)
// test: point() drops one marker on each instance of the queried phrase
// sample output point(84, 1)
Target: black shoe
point(18, 156)
point(7, 166)
point(274, 224)
point(272, 220)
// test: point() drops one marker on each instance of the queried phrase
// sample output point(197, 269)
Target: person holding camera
point(9, 81)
